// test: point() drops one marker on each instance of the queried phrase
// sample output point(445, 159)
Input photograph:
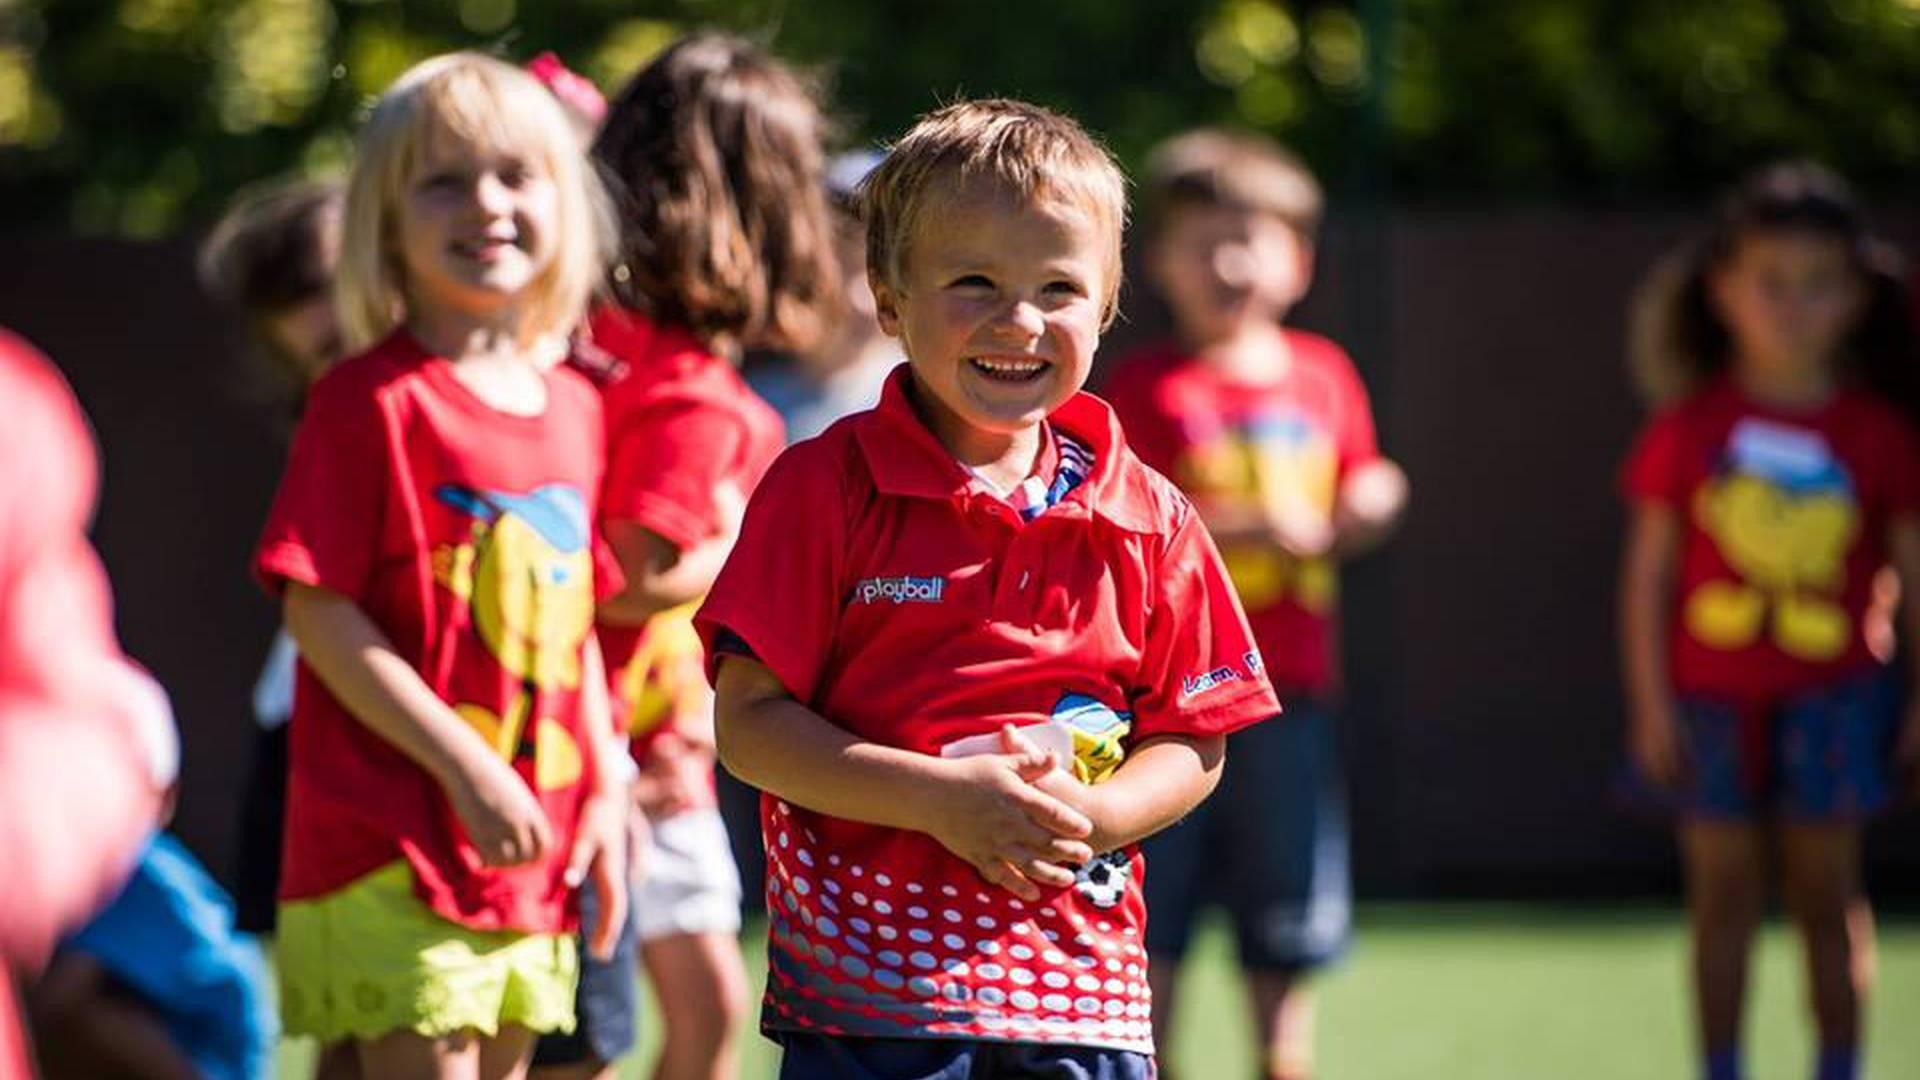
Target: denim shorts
point(1821, 756)
point(604, 1004)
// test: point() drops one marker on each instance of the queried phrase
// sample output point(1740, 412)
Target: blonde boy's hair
point(494, 106)
point(1239, 170)
point(1032, 151)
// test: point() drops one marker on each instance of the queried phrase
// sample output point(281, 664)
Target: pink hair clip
point(574, 90)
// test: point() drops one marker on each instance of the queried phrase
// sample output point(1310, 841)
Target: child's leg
point(687, 908)
point(1726, 894)
point(701, 984)
point(1821, 865)
point(1286, 830)
point(406, 1055)
point(506, 1055)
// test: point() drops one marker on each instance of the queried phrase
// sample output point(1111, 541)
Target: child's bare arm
point(1160, 782)
point(376, 684)
point(1646, 600)
point(984, 809)
point(599, 856)
point(659, 574)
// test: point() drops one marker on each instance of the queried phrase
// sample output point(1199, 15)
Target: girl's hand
point(1654, 740)
point(1018, 837)
point(599, 859)
point(502, 817)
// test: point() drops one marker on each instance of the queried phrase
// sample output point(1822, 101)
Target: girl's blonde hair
point(493, 105)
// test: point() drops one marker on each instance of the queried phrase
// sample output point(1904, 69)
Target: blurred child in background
point(271, 260)
point(1778, 476)
point(841, 375)
point(1270, 432)
point(453, 775)
point(714, 153)
point(88, 755)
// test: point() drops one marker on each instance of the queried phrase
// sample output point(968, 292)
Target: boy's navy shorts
point(1822, 756)
point(826, 1057)
point(606, 1000)
point(1270, 846)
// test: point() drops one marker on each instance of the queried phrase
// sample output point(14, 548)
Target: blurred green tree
point(141, 116)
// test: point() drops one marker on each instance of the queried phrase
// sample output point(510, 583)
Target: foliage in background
point(142, 116)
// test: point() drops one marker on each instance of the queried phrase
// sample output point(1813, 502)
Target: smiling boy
point(930, 592)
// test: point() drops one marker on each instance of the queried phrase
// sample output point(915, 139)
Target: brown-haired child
point(1269, 431)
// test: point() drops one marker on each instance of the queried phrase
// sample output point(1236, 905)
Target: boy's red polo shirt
point(896, 596)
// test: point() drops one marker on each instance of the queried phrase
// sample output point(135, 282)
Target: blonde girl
point(451, 781)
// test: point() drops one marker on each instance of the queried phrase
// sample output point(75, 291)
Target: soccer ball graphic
point(1104, 880)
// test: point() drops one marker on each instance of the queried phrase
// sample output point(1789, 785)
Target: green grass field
point(1480, 992)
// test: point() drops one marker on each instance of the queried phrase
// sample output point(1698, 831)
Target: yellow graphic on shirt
point(526, 572)
point(1275, 463)
point(666, 681)
point(1783, 514)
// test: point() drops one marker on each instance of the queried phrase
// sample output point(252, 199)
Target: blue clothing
point(1270, 846)
point(169, 937)
point(1824, 756)
point(607, 1000)
point(827, 1057)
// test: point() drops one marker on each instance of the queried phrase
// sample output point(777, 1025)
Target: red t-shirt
point(681, 423)
point(1236, 446)
point(1786, 517)
point(466, 535)
point(896, 596)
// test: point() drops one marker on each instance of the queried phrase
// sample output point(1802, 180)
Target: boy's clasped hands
point(1016, 815)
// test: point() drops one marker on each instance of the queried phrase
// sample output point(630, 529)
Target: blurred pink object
point(574, 90)
point(87, 748)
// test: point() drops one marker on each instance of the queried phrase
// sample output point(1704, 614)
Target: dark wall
point(188, 468)
point(1484, 716)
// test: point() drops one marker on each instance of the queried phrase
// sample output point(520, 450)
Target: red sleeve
point(780, 591)
point(1652, 470)
point(1201, 673)
point(666, 462)
point(324, 527)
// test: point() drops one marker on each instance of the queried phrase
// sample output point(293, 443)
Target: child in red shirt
point(1269, 431)
point(452, 778)
point(687, 441)
point(1777, 480)
point(971, 648)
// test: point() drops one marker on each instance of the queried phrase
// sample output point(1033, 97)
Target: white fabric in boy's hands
point(1053, 736)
